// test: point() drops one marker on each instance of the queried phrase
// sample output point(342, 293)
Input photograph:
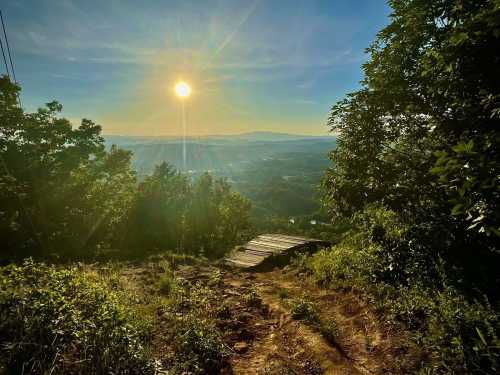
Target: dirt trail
point(266, 339)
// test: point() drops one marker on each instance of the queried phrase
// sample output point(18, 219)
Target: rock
point(240, 347)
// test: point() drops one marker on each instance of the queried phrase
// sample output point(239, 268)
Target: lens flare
point(182, 90)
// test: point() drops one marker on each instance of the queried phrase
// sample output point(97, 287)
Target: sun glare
point(182, 90)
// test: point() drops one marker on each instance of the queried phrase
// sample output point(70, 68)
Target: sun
point(182, 89)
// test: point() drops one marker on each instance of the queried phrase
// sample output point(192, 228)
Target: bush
point(329, 330)
point(251, 297)
point(58, 321)
point(458, 328)
point(343, 265)
point(305, 310)
point(198, 346)
point(166, 284)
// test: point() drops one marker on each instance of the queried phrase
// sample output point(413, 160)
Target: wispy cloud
point(245, 58)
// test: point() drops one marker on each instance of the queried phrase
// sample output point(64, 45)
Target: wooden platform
point(256, 251)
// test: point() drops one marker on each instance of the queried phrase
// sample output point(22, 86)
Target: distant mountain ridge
point(222, 155)
point(258, 136)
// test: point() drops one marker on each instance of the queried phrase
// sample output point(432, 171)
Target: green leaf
point(457, 209)
point(481, 336)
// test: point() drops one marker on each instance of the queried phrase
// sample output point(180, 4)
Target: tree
point(157, 219)
point(61, 192)
point(422, 133)
point(218, 218)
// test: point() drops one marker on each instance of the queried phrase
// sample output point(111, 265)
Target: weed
point(215, 278)
point(198, 345)
point(167, 285)
point(305, 310)
point(329, 330)
point(251, 297)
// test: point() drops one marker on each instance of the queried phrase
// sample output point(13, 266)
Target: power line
point(10, 58)
point(4, 59)
point(8, 48)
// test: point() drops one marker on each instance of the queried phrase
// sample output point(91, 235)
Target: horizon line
point(326, 134)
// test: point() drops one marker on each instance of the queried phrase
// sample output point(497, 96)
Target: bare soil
point(265, 339)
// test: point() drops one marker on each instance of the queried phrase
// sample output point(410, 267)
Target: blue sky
point(254, 65)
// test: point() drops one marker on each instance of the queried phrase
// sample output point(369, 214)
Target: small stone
point(240, 347)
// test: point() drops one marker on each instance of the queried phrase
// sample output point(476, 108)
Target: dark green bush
point(59, 321)
point(462, 335)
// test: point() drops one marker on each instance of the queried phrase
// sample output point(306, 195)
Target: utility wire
point(2, 160)
point(4, 59)
point(8, 48)
point(10, 58)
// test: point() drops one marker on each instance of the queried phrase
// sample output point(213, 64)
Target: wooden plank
point(258, 252)
point(271, 244)
point(282, 237)
point(269, 249)
point(239, 263)
point(287, 238)
point(249, 257)
point(260, 248)
point(281, 242)
point(264, 249)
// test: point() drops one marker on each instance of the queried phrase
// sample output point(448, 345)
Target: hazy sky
point(275, 65)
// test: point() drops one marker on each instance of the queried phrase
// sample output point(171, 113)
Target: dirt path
point(265, 338)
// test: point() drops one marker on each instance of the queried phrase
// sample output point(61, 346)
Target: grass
point(251, 297)
point(283, 294)
point(64, 321)
point(107, 318)
point(460, 334)
point(303, 309)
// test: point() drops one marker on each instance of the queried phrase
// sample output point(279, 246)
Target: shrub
point(166, 284)
point(305, 310)
point(329, 330)
point(343, 265)
point(412, 286)
point(58, 321)
point(198, 346)
point(283, 293)
point(251, 297)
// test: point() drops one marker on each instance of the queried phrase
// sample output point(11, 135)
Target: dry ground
point(264, 338)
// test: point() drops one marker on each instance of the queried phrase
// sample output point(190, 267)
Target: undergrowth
point(457, 329)
point(303, 309)
point(59, 321)
point(196, 341)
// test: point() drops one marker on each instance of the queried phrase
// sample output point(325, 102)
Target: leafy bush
point(305, 310)
point(461, 335)
point(342, 265)
point(459, 330)
point(166, 284)
point(329, 330)
point(252, 298)
point(196, 341)
point(198, 346)
point(58, 321)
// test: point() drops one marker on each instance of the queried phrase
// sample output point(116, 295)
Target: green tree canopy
point(422, 133)
point(60, 191)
